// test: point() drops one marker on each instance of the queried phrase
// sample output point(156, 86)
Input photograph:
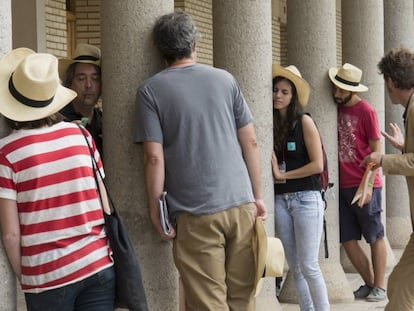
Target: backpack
point(325, 185)
point(324, 175)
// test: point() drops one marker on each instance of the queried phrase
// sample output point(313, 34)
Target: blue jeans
point(95, 293)
point(299, 224)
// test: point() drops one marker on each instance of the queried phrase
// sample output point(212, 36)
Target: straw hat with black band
point(30, 88)
point(269, 255)
point(84, 53)
point(348, 78)
point(292, 73)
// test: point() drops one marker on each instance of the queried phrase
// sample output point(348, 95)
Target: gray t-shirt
point(194, 112)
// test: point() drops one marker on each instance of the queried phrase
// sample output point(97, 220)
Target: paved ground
point(357, 305)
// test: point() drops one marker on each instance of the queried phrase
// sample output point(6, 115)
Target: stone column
point(128, 58)
point(360, 19)
point(312, 48)
point(7, 278)
point(243, 46)
point(398, 31)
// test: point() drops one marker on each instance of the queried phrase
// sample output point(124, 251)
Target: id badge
point(291, 146)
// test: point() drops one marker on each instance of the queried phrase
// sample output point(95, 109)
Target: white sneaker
point(377, 294)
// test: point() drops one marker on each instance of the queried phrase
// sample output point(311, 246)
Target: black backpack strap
point(325, 232)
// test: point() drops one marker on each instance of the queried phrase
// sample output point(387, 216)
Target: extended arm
point(396, 138)
point(10, 228)
point(251, 154)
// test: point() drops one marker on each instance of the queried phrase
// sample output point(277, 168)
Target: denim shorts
point(355, 221)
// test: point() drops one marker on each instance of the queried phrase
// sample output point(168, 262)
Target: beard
point(343, 101)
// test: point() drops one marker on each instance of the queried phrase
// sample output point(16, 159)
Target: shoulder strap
point(95, 170)
point(295, 122)
point(325, 186)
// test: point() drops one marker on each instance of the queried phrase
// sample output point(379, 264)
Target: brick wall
point(87, 27)
point(202, 13)
point(56, 27)
point(338, 33)
point(88, 23)
point(279, 32)
point(279, 53)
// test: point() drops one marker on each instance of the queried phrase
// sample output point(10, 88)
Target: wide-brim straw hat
point(84, 53)
point(292, 73)
point(30, 88)
point(348, 78)
point(269, 255)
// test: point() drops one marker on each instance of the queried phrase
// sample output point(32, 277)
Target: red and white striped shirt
point(48, 172)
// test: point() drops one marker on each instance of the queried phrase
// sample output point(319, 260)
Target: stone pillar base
point(399, 231)
point(267, 301)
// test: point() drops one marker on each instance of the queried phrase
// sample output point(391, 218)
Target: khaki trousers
point(214, 257)
point(400, 289)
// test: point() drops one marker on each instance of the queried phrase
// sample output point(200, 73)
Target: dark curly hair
point(398, 65)
point(281, 127)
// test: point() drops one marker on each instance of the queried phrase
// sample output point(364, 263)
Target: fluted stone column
point(128, 58)
point(398, 31)
point(243, 46)
point(312, 48)
point(360, 19)
point(7, 278)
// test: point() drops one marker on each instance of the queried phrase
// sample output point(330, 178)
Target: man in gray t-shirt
point(200, 146)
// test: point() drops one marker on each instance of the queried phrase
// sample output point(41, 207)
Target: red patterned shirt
point(357, 125)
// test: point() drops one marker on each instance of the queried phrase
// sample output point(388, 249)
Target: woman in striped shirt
point(51, 214)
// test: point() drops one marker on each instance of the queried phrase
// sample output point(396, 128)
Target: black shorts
point(355, 222)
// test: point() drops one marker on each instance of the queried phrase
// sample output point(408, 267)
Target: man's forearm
point(154, 171)
point(154, 181)
point(251, 155)
point(252, 158)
